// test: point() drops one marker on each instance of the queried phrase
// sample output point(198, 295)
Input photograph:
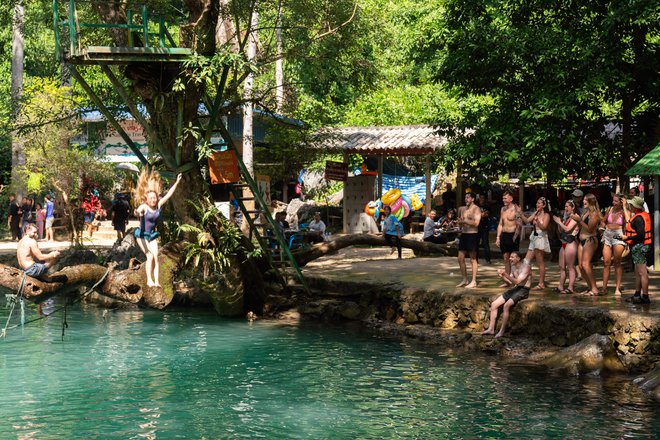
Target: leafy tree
point(51, 164)
point(569, 87)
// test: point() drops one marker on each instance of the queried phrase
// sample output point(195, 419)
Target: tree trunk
point(319, 250)
point(279, 64)
point(17, 60)
point(248, 106)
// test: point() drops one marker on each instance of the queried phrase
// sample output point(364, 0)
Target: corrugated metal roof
point(648, 165)
point(404, 140)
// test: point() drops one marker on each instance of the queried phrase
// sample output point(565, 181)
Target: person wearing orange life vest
point(638, 236)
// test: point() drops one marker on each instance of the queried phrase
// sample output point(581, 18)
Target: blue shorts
point(36, 270)
point(149, 236)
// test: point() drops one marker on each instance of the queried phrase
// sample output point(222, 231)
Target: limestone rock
point(589, 356)
point(650, 382)
point(350, 310)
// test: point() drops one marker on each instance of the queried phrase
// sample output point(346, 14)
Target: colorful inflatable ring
point(396, 204)
point(370, 208)
point(407, 200)
point(416, 202)
point(377, 213)
point(390, 196)
point(406, 209)
point(398, 213)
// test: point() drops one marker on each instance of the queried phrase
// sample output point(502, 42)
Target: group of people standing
point(23, 211)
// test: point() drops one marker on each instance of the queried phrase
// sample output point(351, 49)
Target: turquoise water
point(189, 374)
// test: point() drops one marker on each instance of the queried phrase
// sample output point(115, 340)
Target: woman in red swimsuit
point(614, 221)
point(569, 248)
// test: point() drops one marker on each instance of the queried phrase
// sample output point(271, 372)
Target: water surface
point(189, 374)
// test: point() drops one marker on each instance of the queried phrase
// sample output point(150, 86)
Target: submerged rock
point(650, 382)
point(592, 355)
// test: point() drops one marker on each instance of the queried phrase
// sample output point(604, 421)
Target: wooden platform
point(123, 55)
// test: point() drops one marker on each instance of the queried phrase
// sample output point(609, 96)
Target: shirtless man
point(521, 278)
point(469, 217)
point(30, 257)
point(508, 230)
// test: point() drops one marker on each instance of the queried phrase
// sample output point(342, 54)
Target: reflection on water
point(148, 374)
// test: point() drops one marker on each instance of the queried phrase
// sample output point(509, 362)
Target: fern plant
point(212, 242)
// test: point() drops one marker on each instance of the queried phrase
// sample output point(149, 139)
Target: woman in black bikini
point(588, 240)
point(569, 248)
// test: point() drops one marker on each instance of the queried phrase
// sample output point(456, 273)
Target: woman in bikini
point(613, 247)
point(146, 192)
point(588, 224)
point(539, 244)
point(569, 248)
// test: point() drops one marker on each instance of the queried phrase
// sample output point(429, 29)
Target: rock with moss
point(593, 355)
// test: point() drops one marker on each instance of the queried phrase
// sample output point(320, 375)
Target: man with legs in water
point(521, 278)
point(508, 230)
point(469, 217)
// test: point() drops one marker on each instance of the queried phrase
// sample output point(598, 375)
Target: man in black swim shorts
point(511, 297)
point(469, 217)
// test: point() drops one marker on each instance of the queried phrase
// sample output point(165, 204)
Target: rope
point(64, 307)
point(16, 299)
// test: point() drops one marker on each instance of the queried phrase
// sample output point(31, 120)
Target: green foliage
point(46, 123)
point(557, 77)
point(211, 242)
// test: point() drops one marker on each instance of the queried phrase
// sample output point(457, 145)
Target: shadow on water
point(189, 374)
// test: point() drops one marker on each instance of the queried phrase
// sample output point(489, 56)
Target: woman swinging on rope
point(146, 194)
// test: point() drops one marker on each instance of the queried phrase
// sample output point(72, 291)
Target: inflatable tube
point(407, 200)
point(390, 196)
point(370, 208)
point(396, 204)
point(416, 202)
point(398, 213)
point(406, 209)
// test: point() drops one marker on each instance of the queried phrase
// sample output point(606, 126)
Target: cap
point(577, 193)
point(637, 202)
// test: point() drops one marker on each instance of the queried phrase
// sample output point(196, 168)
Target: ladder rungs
point(244, 198)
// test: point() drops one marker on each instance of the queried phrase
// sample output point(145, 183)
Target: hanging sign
point(336, 171)
point(223, 167)
point(263, 183)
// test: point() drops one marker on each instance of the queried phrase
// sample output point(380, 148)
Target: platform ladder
point(281, 258)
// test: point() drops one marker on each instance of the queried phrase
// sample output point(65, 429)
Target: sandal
point(568, 292)
point(558, 290)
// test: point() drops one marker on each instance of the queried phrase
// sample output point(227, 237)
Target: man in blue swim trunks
point(30, 258)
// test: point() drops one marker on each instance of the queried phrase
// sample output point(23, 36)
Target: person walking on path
point(521, 278)
point(615, 219)
point(588, 224)
point(14, 219)
point(40, 217)
point(508, 230)
point(50, 217)
point(539, 244)
point(569, 248)
point(120, 211)
point(392, 231)
point(469, 217)
point(638, 236)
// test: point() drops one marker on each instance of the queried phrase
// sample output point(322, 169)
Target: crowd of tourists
point(24, 211)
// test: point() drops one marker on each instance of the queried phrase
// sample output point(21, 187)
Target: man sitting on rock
point(33, 262)
point(521, 278)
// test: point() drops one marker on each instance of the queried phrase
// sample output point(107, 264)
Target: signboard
point(223, 167)
point(336, 171)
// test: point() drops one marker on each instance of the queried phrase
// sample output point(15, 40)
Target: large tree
point(565, 87)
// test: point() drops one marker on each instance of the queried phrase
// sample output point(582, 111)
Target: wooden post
point(459, 183)
point(427, 173)
point(521, 194)
point(656, 221)
point(379, 193)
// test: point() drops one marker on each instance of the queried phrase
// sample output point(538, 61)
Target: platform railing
point(137, 28)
